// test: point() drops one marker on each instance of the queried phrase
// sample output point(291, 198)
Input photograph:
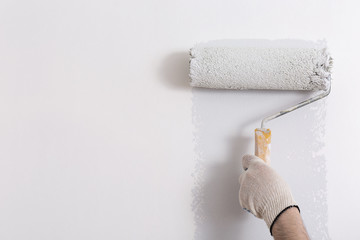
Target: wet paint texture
point(224, 126)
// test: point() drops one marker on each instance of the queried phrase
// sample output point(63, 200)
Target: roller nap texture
point(257, 67)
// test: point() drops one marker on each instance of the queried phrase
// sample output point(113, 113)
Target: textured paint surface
point(260, 64)
point(225, 121)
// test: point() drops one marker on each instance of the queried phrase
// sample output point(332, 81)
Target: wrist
point(275, 208)
point(288, 225)
point(284, 212)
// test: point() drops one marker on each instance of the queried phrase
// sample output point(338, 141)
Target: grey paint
point(224, 123)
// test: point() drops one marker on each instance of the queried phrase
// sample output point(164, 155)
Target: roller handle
point(262, 144)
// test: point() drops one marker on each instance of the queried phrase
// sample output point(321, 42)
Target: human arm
point(266, 195)
point(289, 226)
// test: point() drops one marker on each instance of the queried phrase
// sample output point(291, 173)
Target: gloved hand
point(262, 191)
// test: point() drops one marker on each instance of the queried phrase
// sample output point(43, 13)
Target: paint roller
point(263, 65)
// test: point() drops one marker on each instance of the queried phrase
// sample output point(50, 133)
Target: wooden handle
point(262, 144)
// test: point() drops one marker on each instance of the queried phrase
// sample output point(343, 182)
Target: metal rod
point(297, 106)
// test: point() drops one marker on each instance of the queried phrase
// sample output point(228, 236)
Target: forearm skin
point(289, 226)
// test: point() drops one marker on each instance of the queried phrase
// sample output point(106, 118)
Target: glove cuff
point(276, 218)
point(273, 211)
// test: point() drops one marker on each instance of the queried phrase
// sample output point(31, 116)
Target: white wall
point(99, 134)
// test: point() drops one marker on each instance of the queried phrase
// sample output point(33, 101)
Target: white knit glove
point(262, 191)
